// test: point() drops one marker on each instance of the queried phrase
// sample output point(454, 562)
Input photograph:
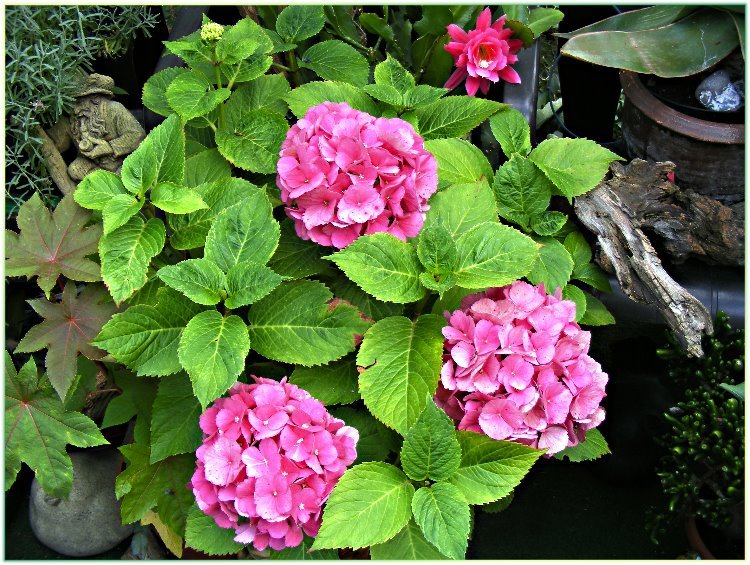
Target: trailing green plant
point(703, 469)
point(47, 48)
point(213, 287)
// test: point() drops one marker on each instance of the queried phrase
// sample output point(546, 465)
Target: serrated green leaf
point(383, 266)
point(198, 279)
point(243, 233)
point(575, 294)
point(302, 553)
point(264, 93)
point(159, 158)
point(510, 128)
point(574, 166)
point(202, 533)
point(248, 282)
point(303, 97)
point(175, 199)
point(592, 274)
point(423, 94)
point(499, 505)
point(296, 258)
point(461, 207)
point(430, 448)
point(334, 383)
point(241, 40)
point(596, 312)
point(253, 142)
point(206, 166)
point(391, 73)
point(408, 544)
point(578, 248)
point(213, 350)
point(279, 45)
point(385, 93)
point(174, 419)
point(142, 487)
point(370, 504)
point(403, 361)
point(296, 23)
point(377, 25)
point(192, 95)
point(155, 88)
point(436, 249)
point(376, 441)
point(521, 190)
point(145, 338)
point(443, 515)
point(295, 324)
point(459, 162)
point(440, 283)
point(543, 19)
point(97, 189)
point(126, 254)
point(135, 401)
point(491, 469)
point(66, 330)
point(197, 54)
point(548, 223)
point(454, 116)
point(189, 231)
point(493, 255)
point(118, 210)
point(52, 243)
point(371, 307)
point(593, 447)
point(337, 61)
point(37, 429)
point(553, 266)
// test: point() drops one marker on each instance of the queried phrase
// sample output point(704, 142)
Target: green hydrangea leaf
point(189, 231)
point(371, 307)
point(512, 131)
point(248, 282)
point(461, 207)
point(490, 469)
point(370, 504)
point(574, 166)
point(548, 223)
point(337, 61)
point(155, 90)
point(593, 447)
point(296, 23)
point(206, 166)
point(334, 383)
point(197, 54)
point(459, 161)
point(174, 419)
point(303, 97)
point(592, 274)
point(296, 258)
point(436, 249)
point(213, 350)
point(159, 158)
point(391, 73)
point(243, 233)
point(430, 448)
point(575, 294)
point(264, 93)
point(578, 247)
point(454, 116)
point(241, 40)
point(383, 266)
point(141, 487)
point(423, 94)
point(295, 324)
point(521, 190)
point(145, 338)
point(302, 553)
point(37, 429)
point(253, 141)
point(51, 244)
point(403, 361)
point(385, 93)
point(246, 70)
point(67, 328)
point(202, 533)
point(444, 517)
point(192, 95)
point(119, 210)
point(596, 312)
point(376, 441)
point(409, 544)
point(126, 254)
point(198, 279)
point(492, 254)
point(553, 266)
point(97, 189)
point(175, 199)
point(135, 401)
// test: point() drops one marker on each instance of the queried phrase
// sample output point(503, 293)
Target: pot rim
point(703, 130)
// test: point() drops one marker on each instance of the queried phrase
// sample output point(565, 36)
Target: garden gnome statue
point(104, 131)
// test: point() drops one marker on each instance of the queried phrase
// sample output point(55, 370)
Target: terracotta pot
point(709, 156)
point(696, 541)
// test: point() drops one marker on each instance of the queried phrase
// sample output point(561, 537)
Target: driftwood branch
point(615, 213)
point(56, 166)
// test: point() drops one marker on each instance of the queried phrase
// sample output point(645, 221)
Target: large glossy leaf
point(458, 161)
point(334, 383)
point(409, 544)
point(683, 48)
point(635, 20)
point(444, 517)
point(335, 60)
point(454, 116)
point(430, 448)
point(252, 141)
point(174, 419)
point(202, 533)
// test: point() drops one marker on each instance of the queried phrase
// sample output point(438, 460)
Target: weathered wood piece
point(617, 211)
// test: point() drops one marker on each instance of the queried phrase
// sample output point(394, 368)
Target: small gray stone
point(88, 522)
point(717, 92)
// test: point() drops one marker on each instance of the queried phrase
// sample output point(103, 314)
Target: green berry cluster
point(211, 31)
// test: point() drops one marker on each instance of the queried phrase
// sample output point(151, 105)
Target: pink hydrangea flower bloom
point(516, 367)
point(344, 173)
point(483, 55)
point(270, 457)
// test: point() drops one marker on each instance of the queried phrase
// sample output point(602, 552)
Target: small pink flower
point(483, 55)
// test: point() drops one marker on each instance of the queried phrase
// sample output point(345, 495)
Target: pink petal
point(554, 438)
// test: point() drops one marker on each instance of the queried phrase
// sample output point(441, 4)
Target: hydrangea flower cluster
point(483, 55)
point(517, 369)
point(270, 457)
point(344, 173)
